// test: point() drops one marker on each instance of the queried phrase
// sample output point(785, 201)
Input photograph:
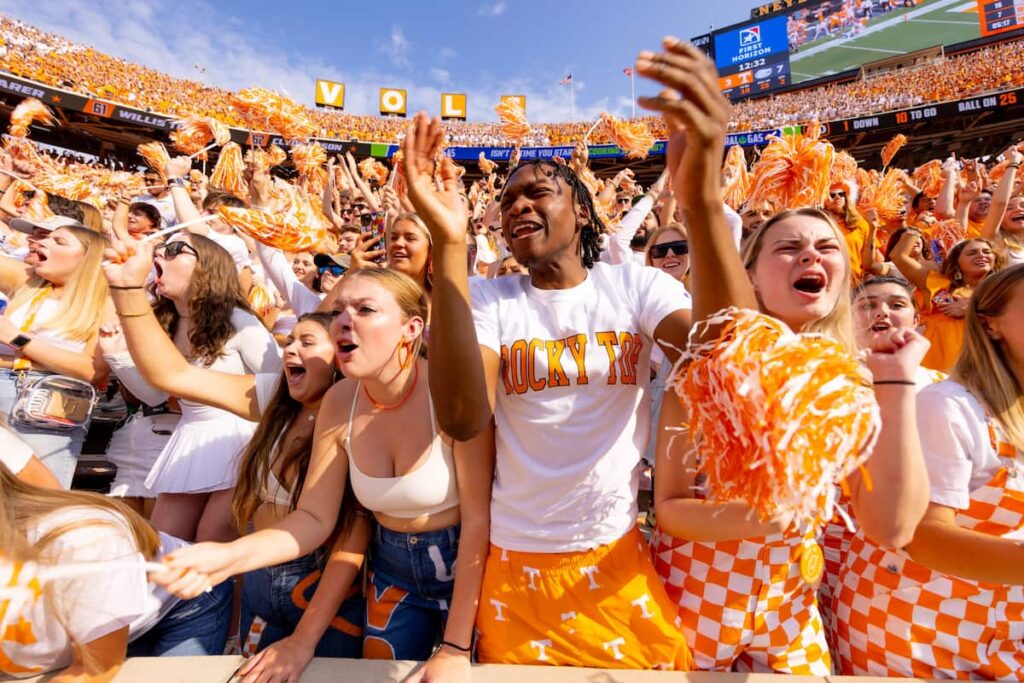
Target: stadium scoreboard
point(998, 16)
point(752, 58)
point(792, 41)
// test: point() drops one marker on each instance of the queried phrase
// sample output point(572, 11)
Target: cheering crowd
point(47, 58)
point(390, 413)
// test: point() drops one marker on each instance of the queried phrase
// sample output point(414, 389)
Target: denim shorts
point(196, 627)
point(411, 582)
point(280, 594)
point(59, 450)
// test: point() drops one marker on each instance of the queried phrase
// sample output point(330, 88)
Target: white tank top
point(428, 489)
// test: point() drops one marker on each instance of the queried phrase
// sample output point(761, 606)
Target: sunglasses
point(679, 248)
point(334, 269)
point(171, 250)
point(836, 195)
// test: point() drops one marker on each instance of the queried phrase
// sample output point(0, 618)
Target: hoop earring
point(407, 347)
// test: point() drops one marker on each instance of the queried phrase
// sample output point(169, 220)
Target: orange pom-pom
point(65, 185)
point(195, 133)
point(266, 110)
point(844, 170)
point(947, 233)
point(777, 418)
point(928, 177)
point(261, 299)
point(372, 170)
point(156, 157)
point(794, 170)
point(286, 231)
point(735, 178)
point(276, 155)
point(308, 157)
point(886, 194)
point(486, 165)
point(891, 147)
point(513, 118)
point(632, 137)
point(29, 111)
point(228, 174)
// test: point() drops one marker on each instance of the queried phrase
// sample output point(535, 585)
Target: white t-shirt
point(957, 449)
point(234, 245)
point(14, 453)
point(571, 417)
point(165, 205)
point(87, 606)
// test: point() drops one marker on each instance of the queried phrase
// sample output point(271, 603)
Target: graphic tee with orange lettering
point(572, 414)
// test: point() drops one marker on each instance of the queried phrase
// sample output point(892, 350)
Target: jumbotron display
point(813, 39)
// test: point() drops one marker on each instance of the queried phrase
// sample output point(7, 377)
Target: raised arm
point(915, 272)
point(457, 381)
point(156, 357)
point(944, 209)
point(178, 167)
point(357, 180)
point(697, 116)
point(1001, 197)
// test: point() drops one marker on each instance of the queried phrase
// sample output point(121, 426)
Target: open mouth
point(522, 228)
point(881, 326)
point(812, 283)
point(294, 373)
point(671, 263)
point(346, 348)
point(1017, 217)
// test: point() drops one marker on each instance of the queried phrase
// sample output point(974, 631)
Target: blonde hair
point(411, 298)
point(838, 323)
point(84, 294)
point(414, 218)
point(983, 366)
point(23, 505)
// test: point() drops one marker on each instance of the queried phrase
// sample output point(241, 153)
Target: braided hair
point(590, 251)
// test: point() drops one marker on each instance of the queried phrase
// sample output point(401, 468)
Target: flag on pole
point(566, 81)
point(628, 71)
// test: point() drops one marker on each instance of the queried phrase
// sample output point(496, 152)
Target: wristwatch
point(176, 182)
point(20, 341)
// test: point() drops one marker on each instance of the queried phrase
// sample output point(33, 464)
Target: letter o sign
point(392, 101)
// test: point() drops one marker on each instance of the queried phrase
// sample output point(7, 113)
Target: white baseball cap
point(48, 224)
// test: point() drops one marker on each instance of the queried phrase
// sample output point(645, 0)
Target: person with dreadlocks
point(561, 358)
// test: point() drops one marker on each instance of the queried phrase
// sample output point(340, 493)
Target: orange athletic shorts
point(603, 608)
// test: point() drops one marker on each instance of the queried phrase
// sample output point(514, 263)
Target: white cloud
point(446, 54)
point(397, 48)
point(441, 76)
point(494, 9)
point(172, 37)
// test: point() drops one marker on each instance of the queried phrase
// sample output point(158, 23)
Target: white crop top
point(428, 489)
point(45, 311)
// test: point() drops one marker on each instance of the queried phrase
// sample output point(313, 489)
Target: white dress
point(203, 453)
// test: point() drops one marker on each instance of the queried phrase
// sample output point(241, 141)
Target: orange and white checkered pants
point(744, 604)
point(603, 608)
point(895, 617)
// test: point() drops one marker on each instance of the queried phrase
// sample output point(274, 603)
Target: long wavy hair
point(983, 366)
point(264, 449)
point(84, 295)
point(951, 266)
point(838, 323)
point(214, 295)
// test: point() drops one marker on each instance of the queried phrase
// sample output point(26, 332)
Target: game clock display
point(753, 58)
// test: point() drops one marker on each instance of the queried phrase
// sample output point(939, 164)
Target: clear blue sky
point(483, 49)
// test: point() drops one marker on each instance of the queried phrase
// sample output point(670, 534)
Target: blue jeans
point(279, 595)
point(411, 582)
point(59, 450)
point(192, 628)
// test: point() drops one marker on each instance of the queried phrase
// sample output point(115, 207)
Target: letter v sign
point(330, 93)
